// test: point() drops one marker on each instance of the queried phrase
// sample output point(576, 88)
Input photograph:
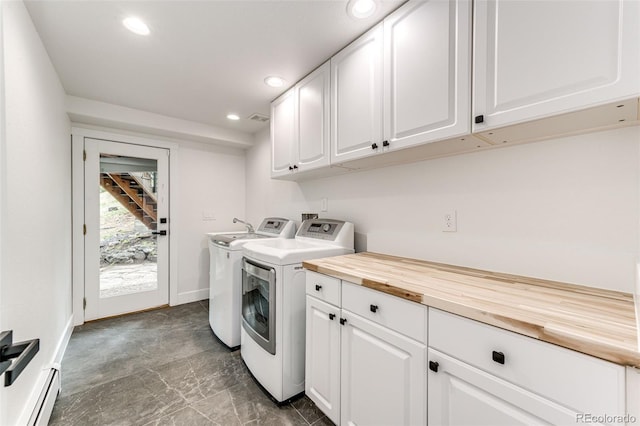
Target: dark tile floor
point(164, 367)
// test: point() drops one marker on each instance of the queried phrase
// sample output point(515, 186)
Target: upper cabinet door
point(534, 59)
point(356, 101)
point(427, 63)
point(312, 131)
point(282, 133)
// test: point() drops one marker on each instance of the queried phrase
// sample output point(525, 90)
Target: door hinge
point(84, 155)
point(84, 303)
point(84, 229)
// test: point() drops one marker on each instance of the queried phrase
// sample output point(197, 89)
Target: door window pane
point(128, 218)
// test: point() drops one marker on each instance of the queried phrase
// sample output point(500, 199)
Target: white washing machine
point(273, 302)
point(225, 274)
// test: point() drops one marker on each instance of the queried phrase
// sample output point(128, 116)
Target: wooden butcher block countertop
point(597, 322)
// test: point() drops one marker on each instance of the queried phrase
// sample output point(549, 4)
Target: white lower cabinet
point(322, 357)
point(359, 371)
point(460, 394)
point(382, 380)
point(484, 375)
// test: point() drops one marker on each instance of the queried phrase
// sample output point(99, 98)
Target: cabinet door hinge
point(84, 229)
point(84, 155)
point(84, 303)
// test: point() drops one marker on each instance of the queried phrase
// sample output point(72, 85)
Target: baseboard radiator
point(44, 407)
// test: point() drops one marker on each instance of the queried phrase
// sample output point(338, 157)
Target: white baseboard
point(41, 383)
point(193, 296)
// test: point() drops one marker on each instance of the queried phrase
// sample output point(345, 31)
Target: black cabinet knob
point(318, 287)
point(385, 143)
point(332, 316)
point(498, 357)
point(374, 146)
point(295, 167)
point(343, 321)
point(290, 168)
point(433, 366)
point(479, 119)
point(373, 308)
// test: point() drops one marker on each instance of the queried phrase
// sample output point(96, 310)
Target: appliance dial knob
point(326, 227)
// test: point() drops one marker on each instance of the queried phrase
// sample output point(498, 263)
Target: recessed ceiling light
point(274, 81)
point(136, 25)
point(233, 116)
point(361, 9)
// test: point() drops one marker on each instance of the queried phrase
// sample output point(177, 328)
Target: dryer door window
point(258, 303)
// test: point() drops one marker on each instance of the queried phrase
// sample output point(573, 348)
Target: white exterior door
point(312, 141)
point(460, 394)
point(538, 58)
point(427, 79)
point(126, 218)
point(384, 379)
point(356, 101)
point(282, 133)
point(322, 378)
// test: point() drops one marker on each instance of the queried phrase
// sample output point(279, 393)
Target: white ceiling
point(202, 60)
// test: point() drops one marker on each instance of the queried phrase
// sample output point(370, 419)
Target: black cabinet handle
point(290, 168)
point(433, 366)
point(343, 321)
point(479, 119)
point(373, 308)
point(318, 287)
point(385, 143)
point(374, 146)
point(498, 357)
point(295, 167)
point(163, 232)
point(332, 316)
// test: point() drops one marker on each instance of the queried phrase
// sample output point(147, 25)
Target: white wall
point(36, 208)
point(564, 209)
point(211, 183)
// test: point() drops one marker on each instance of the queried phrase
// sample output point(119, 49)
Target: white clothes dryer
point(273, 302)
point(225, 275)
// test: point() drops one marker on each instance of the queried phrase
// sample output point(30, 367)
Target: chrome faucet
point(247, 224)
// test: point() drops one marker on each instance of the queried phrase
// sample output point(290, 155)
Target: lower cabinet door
point(383, 375)
point(322, 363)
point(460, 394)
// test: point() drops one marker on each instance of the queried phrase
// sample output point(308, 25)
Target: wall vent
point(259, 118)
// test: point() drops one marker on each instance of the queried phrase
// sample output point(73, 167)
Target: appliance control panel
point(274, 225)
point(321, 229)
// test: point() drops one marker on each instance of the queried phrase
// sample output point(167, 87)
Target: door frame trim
point(78, 135)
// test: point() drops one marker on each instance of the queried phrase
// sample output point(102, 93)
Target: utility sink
point(225, 239)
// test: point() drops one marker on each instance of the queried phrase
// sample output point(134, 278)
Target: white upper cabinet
point(312, 95)
point(356, 98)
point(427, 72)
point(535, 59)
point(404, 83)
point(282, 133)
point(300, 126)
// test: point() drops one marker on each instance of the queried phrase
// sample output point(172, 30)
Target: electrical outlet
point(450, 222)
